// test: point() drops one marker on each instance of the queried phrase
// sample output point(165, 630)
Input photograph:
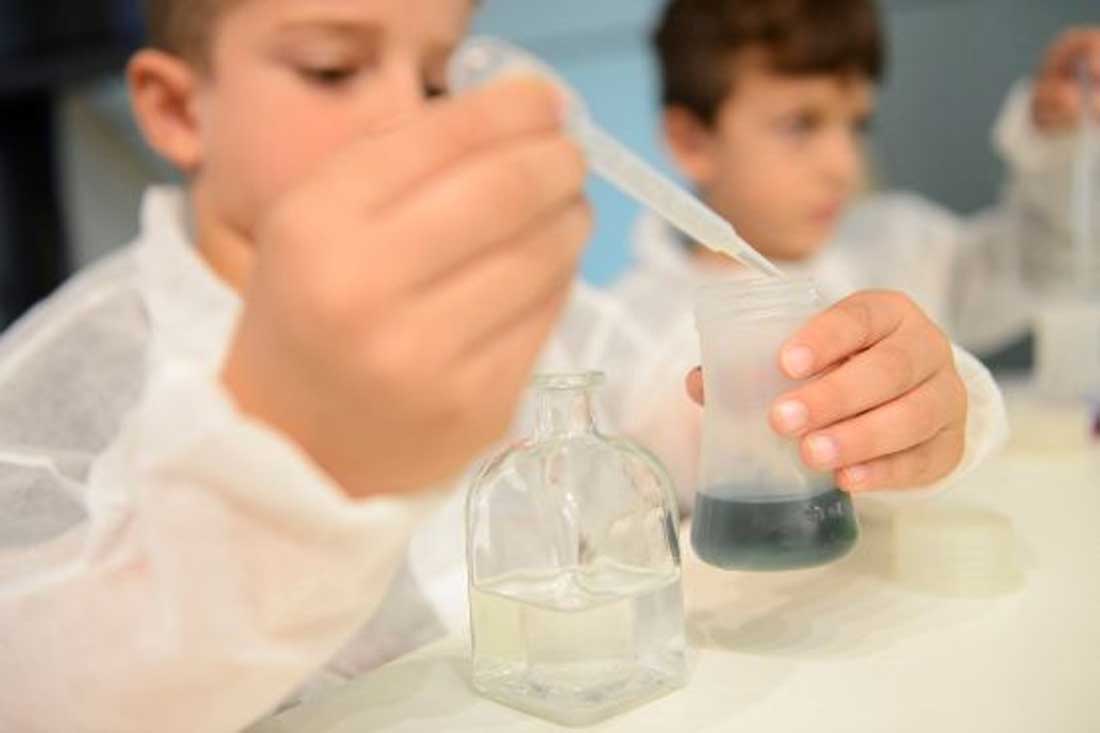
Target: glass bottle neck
point(564, 413)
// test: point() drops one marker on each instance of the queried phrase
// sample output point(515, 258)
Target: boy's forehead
point(442, 19)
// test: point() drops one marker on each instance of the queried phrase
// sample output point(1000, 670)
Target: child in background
point(210, 439)
point(766, 105)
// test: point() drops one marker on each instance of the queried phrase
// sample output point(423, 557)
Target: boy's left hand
point(885, 407)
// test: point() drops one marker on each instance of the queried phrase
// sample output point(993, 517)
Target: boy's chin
point(796, 254)
point(804, 245)
point(794, 244)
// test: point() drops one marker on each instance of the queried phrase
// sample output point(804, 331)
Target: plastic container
point(956, 549)
point(758, 506)
point(1067, 347)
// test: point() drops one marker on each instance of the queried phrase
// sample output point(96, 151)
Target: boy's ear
point(692, 145)
point(163, 93)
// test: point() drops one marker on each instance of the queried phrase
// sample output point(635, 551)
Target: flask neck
point(565, 408)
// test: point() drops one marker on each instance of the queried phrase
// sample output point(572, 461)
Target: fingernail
point(856, 475)
point(798, 361)
point(791, 416)
point(823, 451)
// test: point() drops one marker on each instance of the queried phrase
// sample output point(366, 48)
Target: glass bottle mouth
point(755, 298)
point(568, 381)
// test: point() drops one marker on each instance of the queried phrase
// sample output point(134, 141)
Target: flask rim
point(755, 298)
point(567, 381)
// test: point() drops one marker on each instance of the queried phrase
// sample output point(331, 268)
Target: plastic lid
point(956, 551)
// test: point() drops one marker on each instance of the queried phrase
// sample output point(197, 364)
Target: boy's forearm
point(1001, 253)
point(1039, 163)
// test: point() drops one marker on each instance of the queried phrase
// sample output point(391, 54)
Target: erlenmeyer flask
point(759, 507)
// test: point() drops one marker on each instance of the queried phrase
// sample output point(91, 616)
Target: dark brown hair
point(697, 43)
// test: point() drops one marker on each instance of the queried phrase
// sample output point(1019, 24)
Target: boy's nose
point(843, 160)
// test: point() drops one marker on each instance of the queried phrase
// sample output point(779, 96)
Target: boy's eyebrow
point(337, 26)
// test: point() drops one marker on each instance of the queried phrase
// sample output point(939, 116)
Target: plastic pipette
point(481, 60)
point(1084, 172)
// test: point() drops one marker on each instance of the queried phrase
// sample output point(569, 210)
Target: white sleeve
point(1028, 151)
point(216, 571)
point(964, 272)
point(1037, 199)
point(1002, 257)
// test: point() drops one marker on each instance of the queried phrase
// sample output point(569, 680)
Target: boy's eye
point(333, 76)
point(800, 124)
point(434, 91)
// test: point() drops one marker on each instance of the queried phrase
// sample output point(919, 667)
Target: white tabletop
point(850, 647)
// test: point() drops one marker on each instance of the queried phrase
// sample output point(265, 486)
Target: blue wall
point(600, 47)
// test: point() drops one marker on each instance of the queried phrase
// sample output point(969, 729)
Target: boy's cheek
point(255, 163)
point(774, 221)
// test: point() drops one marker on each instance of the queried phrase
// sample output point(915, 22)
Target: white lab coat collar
point(192, 312)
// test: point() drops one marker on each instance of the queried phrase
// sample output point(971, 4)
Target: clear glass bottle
point(576, 605)
point(758, 506)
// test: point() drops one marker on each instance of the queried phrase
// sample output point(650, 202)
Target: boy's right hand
point(402, 295)
point(1056, 101)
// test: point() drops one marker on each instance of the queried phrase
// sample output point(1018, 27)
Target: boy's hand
point(886, 408)
point(1056, 103)
point(402, 295)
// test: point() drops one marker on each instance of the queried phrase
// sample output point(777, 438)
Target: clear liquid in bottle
point(579, 646)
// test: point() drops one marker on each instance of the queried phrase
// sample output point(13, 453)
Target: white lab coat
point(167, 564)
point(164, 563)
